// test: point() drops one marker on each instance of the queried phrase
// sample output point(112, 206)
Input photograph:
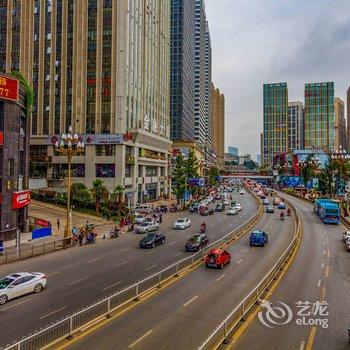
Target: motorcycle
point(113, 234)
point(282, 216)
point(203, 228)
point(289, 213)
point(90, 239)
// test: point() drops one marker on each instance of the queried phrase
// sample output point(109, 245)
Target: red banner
point(9, 88)
point(20, 199)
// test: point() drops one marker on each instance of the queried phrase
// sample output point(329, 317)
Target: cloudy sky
point(261, 41)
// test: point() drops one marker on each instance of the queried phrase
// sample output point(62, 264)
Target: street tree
point(179, 177)
point(99, 193)
point(213, 175)
point(192, 165)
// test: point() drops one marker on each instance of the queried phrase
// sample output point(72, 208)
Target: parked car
point(196, 242)
point(182, 224)
point(270, 209)
point(147, 226)
point(139, 219)
point(258, 238)
point(346, 235)
point(226, 202)
point(21, 283)
point(281, 205)
point(232, 211)
point(206, 211)
point(238, 206)
point(347, 244)
point(194, 208)
point(266, 202)
point(276, 201)
point(219, 207)
point(217, 258)
point(151, 240)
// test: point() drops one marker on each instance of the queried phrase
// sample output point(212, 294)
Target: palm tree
point(99, 192)
point(119, 191)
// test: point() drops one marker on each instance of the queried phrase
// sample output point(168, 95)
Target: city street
point(184, 314)
point(320, 272)
point(81, 275)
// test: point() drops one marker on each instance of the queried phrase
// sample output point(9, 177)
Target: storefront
point(152, 191)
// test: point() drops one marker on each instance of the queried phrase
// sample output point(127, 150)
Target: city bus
point(327, 210)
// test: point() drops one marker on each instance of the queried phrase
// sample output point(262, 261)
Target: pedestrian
point(1, 246)
point(74, 231)
point(80, 238)
point(58, 224)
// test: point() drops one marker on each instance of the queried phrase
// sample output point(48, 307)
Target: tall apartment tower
point(209, 122)
point(339, 124)
point(182, 98)
point(103, 67)
point(219, 125)
point(319, 115)
point(200, 71)
point(275, 120)
point(295, 125)
point(348, 118)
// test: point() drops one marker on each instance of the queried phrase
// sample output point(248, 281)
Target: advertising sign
point(196, 181)
point(9, 88)
point(92, 139)
point(20, 199)
point(315, 182)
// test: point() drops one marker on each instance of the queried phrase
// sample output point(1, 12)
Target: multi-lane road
point(320, 273)
point(183, 314)
point(81, 275)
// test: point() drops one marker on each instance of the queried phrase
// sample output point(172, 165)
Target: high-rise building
point(200, 72)
point(258, 159)
point(295, 125)
point(262, 148)
point(339, 124)
point(232, 150)
point(275, 120)
point(209, 122)
point(348, 118)
point(104, 68)
point(319, 115)
point(182, 72)
point(219, 126)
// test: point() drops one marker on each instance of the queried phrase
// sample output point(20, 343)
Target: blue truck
point(258, 238)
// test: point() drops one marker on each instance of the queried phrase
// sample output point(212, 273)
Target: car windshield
point(194, 239)
point(145, 224)
point(149, 237)
point(181, 221)
point(5, 282)
point(232, 208)
point(213, 256)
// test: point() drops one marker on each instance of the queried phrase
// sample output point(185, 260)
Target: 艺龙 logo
point(274, 315)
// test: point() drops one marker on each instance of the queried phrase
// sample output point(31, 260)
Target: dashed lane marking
point(96, 259)
point(14, 305)
point(319, 283)
point(141, 338)
point(112, 285)
point(53, 312)
point(239, 261)
point(122, 263)
point(171, 243)
point(190, 301)
point(327, 271)
point(178, 254)
point(151, 267)
point(328, 253)
point(222, 276)
point(53, 273)
point(77, 281)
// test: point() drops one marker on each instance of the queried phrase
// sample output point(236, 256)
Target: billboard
point(196, 181)
point(9, 88)
point(20, 199)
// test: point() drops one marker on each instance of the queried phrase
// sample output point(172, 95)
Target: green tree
point(118, 192)
point(250, 164)
point(192, 164)
point(81, 196)
point(179, 177)
point(99, 193)
point(308, 170)
point(213, 175)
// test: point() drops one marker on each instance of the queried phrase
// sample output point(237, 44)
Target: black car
point(196, 242)
point(151, 240)
point(194, 208)
point(219, 207)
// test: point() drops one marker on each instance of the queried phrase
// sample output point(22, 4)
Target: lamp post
point(69, 146)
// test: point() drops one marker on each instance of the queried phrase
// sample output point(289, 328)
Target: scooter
point(203, 229)
point(90, 239)
point(113, 234)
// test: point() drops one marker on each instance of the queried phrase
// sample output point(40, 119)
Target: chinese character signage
point(9, 88)
point(196, 181)
point(93, 139)
point(20, 199)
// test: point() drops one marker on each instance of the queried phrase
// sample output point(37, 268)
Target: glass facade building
point(319, 115)
point(295, 125)
point(182, 98)
point(275, 111)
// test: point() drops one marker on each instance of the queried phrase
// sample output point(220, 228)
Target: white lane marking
point(324, 252)
point(171, 243)
point(51, 313)
point(138, 340)
point(327, 241)
point(122, 263)
point(151, 267)
point(302, 345)
point(322, 265)
point(96, 259)
point(212, 236)
point(319, 283)
point(112, 285)
point(10, 307)
point(239, 261)
point(178, 254)
point(222, 276)
point(223, 230)
point(324, 243)
point(77, 281)
point(190, 301)
point(53, 273)
point(252, 249)
point(230, 225)
point(124, 250)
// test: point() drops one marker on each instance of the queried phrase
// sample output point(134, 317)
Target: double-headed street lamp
point(69, 146)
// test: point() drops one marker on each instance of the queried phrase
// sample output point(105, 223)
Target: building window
point(151, 171)
point(127, 170)
point(140, 170)
point(105, 170)
point(105, 150)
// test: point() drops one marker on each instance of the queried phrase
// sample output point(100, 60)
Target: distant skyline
point(256, 42)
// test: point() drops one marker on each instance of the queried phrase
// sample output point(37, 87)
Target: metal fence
point(68, 326)
point(223, 330)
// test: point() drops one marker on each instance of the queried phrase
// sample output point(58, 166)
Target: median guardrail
point(226, 327)
point(68, 326)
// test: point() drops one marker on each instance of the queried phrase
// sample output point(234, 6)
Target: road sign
point(196, 181)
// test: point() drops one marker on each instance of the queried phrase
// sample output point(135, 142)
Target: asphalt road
point(81, 275)
point(184, 314)
point(321, 272)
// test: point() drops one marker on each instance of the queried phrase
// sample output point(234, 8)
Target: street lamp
point(69, 146)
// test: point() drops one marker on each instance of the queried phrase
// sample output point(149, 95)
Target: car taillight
point(44, 277)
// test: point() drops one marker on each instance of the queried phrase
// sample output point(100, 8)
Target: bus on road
point(328, 210)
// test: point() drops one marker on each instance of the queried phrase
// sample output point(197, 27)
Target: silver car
point(148, 226)
point(21, 283)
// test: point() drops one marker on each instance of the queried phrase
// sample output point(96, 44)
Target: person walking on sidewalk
point(58, 224)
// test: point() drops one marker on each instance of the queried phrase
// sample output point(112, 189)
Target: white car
point(147, 226)
point(226, 202)
point(346, 235)
point(181, 224)
point(241, 192)
point(139, 219)
point(238, 206)
point(21, 283)
point(232, 211)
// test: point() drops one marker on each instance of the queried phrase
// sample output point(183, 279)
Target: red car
point(217, 258)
